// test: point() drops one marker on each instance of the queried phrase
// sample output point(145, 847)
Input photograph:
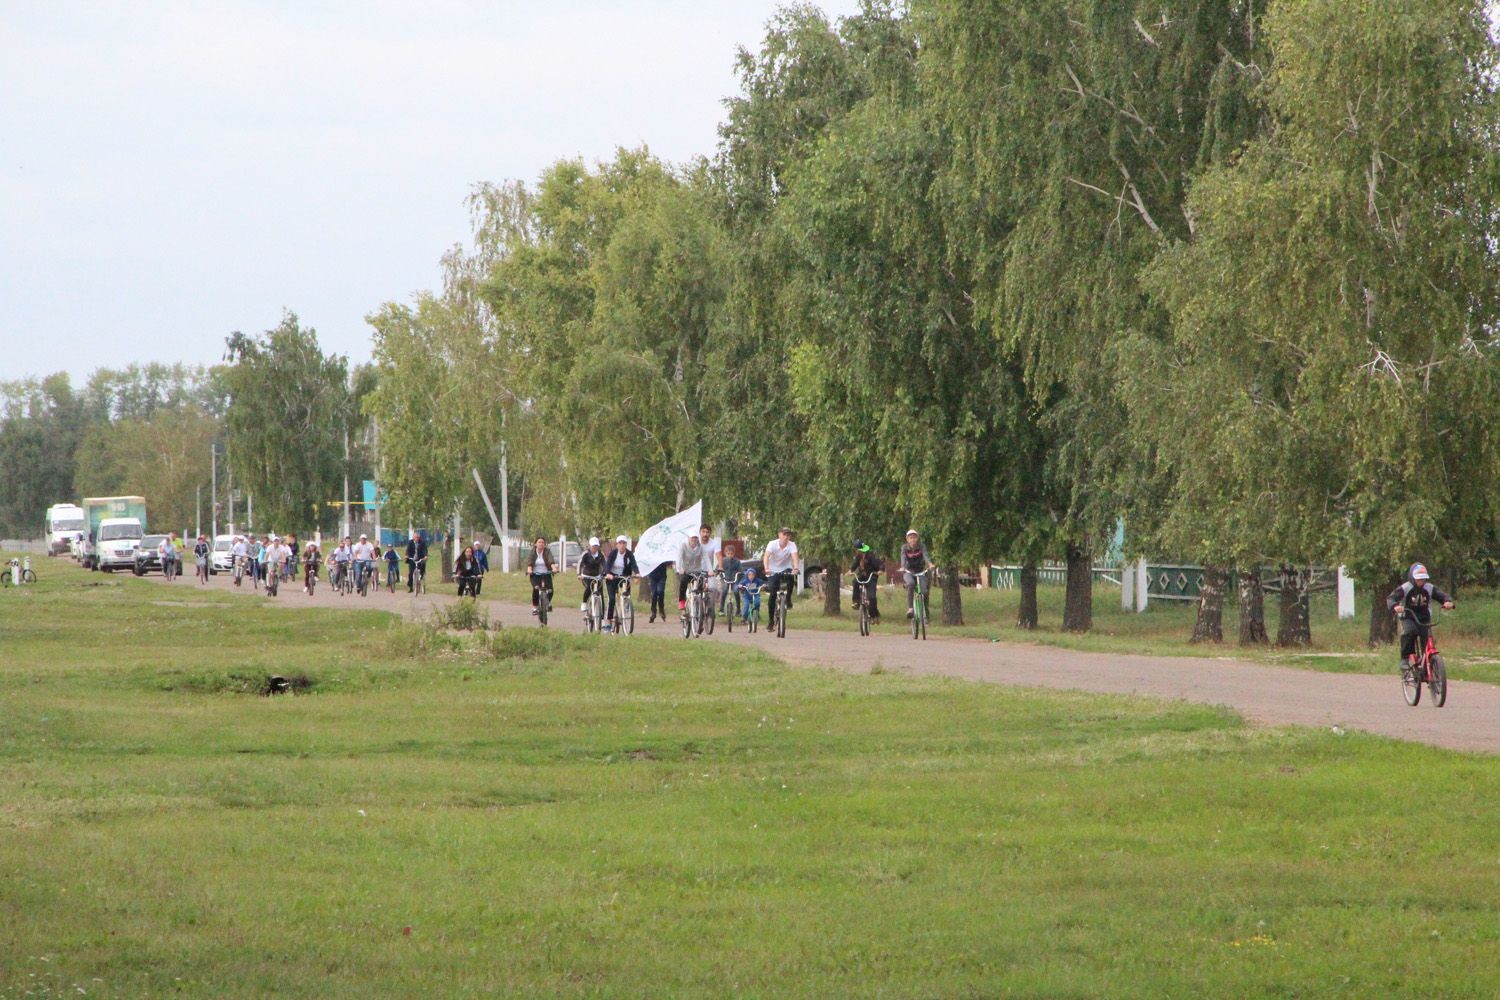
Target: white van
point(118, 539)
point(65, 522)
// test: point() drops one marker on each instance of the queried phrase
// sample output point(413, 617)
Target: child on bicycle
point(1412, 603)
point(750, 586)
point(392, 568)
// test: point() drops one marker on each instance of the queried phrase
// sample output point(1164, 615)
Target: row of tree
point(1009, 271)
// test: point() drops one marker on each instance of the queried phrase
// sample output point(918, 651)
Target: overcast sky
point(173, 171)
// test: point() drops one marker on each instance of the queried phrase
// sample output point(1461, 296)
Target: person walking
point(482, 562)
point(656, 581)
point(202, 553)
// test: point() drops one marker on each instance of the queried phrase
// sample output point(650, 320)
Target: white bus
point(65, 522)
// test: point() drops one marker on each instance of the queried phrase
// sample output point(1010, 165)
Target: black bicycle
point(864, 584)
point(733, 607)
point(783, 582)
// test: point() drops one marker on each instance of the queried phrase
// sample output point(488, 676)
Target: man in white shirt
point(239, 557)
point(277, 554)
point(364, 559)
point(782, 565)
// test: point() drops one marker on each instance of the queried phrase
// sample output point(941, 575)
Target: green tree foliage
point(1332, 359)
point(290, 408)
point(165, 458)
point(41, 423)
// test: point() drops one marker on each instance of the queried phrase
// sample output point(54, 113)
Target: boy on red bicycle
point(1412, 603)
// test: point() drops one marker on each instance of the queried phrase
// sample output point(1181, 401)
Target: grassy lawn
point(1469, 636)
point(542, 815)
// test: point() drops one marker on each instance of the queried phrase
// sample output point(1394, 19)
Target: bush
point(463, 615)
point(534, 643)
point(417, 641)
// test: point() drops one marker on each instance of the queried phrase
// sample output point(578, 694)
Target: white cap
point(913, 531)
point(593, 540)
point(622, 538)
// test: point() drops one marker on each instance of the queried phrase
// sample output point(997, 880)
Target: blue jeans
point(749, 602)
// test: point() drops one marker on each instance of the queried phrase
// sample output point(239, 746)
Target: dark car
point(147, 558)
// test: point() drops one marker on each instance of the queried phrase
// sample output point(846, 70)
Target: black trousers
point(539, 582)
point(613, 588)
point(1413, 636)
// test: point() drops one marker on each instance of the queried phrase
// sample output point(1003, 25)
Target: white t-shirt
point(239, 551)
point(778, 559)
point(364, 551)
point(712, 547)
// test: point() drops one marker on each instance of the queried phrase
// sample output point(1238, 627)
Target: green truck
point(115, 526)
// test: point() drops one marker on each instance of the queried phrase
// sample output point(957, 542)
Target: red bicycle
point(1428, 670)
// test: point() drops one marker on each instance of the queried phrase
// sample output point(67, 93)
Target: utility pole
point(250, 511)
point(231, 501)
point(504, 512)
point(346, 483)
point(198, 505)
point(213, 489)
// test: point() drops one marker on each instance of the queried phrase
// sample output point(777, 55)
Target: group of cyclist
point(703, 558)
point(271, 559)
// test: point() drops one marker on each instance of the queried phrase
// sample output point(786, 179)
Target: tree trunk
point(1252, 608)
point(833, 581)
point(1026, 616)
point(1078, 606)
point(1382, 622)
point(1293, 627)
point(1210, 624)
point(953, 597)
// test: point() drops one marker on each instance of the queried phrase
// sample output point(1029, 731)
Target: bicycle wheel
point(542, 607)
point(27, 576)
point(780, 616)
point(687, 623)
point(926, 614)
point(1437, 683)
point(734, 612)
point(627, 613)
point(713, 615)
point(864, 618)
point(1411, 686)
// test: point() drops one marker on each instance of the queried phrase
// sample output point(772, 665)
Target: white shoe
point(584, 608)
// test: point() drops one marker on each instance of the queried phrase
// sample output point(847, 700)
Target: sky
point(174, 171)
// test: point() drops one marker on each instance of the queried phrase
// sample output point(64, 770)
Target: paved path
point(1262, 693)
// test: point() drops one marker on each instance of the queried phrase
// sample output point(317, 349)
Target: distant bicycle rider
point(914, 560)
point(1412, 603)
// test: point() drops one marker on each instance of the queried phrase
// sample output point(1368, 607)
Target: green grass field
point(552, 816)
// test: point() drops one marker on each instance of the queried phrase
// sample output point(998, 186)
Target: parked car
point(222, 560)
point(147, 559)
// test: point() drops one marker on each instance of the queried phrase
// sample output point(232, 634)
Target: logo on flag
point(660, 542)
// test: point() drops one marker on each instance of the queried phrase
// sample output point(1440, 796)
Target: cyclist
point(392, 567)
point(363, 556)
point(339, 562)
point(1412, 603)
point(310, 559)
point(416, 556)
point(259, 555)
point(202, 553)
point(914, 560)
point(867, 564)
point(277, 554)
point(782, 565)
point(467, 571)
point(591, 563)
point(749, 588)
point(482, 560)
point(729, 566)
point(692, 560)
point(167, 552)
point(539, 568)
point(619, 568)
point(291, 563)
point(240, 555)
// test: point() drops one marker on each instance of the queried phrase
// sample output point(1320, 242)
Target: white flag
point(661, 542)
